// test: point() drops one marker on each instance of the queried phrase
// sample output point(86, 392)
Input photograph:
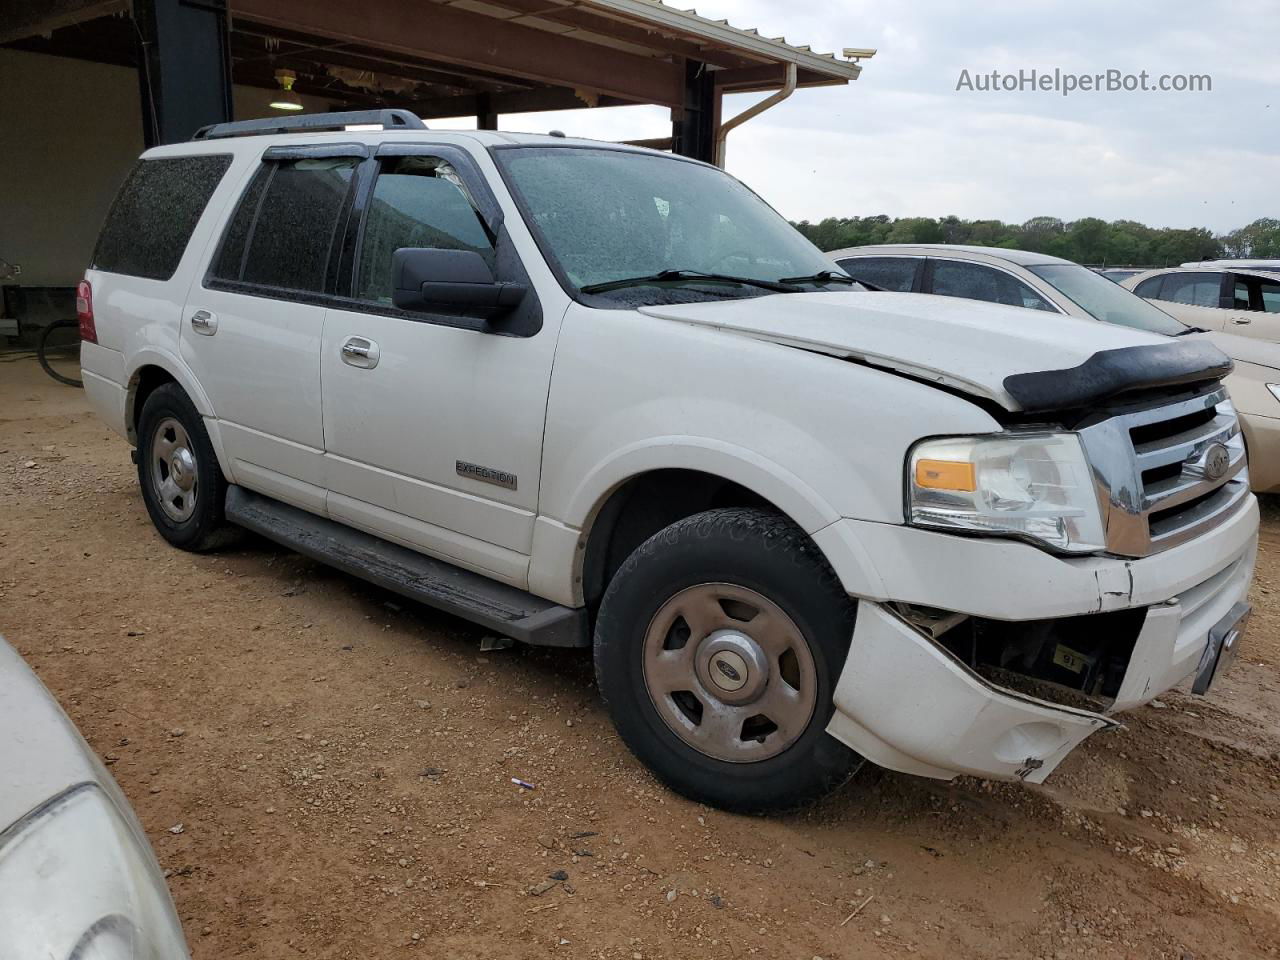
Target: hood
point(986, 350)
point(1264, 353)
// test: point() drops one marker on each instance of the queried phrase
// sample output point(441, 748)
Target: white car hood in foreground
point(41, 752)
point(964, 344)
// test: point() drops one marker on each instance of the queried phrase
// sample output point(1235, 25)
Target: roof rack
point(311, 123)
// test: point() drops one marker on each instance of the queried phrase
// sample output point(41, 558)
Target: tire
point(181, 480)
point(42, 351)
point(684, 611)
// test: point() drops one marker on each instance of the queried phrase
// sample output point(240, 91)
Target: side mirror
point(428, 280)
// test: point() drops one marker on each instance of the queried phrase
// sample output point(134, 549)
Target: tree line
point(1088, 240)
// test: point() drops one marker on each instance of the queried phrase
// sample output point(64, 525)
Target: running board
point(505, 610)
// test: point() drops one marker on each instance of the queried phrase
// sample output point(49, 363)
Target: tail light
point(84, 312)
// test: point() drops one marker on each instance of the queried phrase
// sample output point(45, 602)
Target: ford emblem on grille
point(1217, 460)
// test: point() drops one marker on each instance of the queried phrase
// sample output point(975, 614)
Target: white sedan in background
point(78, 880)
point(1052, 285)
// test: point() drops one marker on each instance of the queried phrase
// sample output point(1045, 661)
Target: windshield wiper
point(1183, 333)
point(676, 276)
point(828, 276)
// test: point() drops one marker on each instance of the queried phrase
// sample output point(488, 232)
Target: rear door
point(1254, 305)
point(153, 238)
point(252, 326)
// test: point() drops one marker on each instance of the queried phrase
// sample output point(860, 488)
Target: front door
point(1194, 298)
point(433, 424)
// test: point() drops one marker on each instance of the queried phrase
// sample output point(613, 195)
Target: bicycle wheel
point(58, 351)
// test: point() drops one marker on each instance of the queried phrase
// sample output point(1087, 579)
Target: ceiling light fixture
point(286, 99)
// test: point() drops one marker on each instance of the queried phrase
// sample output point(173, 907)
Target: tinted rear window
point(887, 273)
point(286, 225)
point(155, 213)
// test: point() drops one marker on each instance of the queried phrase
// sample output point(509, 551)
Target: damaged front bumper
point(906, 702)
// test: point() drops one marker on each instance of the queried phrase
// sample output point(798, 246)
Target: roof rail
point(311, 122)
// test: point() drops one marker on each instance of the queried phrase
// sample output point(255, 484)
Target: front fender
point(747, 468)
point(557, 545)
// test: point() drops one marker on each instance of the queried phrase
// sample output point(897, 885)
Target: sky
point(902, 140)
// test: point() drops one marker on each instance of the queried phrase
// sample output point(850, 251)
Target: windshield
point(1107, 301)
point(609, 215)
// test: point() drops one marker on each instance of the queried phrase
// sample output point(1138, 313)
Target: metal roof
point(666, 30)
point(746, 40)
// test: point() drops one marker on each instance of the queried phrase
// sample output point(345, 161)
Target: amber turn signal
point(946, 475)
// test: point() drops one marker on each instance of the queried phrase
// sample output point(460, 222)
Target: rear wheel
point(717, 648)
point(182, 483)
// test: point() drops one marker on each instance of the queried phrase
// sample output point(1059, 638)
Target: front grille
point(1163, 474)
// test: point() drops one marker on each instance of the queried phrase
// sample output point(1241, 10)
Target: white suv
point(592, 395)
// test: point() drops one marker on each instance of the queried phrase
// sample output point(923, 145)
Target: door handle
point(204, 323)
point(1241, 320)
point(360, 352)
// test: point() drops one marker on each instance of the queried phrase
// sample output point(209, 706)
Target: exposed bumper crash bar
point(944, 719)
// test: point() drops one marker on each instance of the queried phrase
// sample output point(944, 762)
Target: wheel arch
point(651, 487)
point(151, 368)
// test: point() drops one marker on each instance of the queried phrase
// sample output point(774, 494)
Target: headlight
point(1037, 486)
point(1275, 389)
point(77, 883)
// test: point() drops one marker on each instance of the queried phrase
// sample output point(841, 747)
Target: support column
point(486, 116)
point(184, 67)
point(693, 133)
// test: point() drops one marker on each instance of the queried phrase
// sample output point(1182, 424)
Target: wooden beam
point(457, 36)
point(105, 40)
point(522, 101)
point(345, 54)
point(33, 18)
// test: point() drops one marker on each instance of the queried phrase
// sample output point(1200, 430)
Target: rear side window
point(287, 224)
point(972, 281)
point(888, 273)
point(155, 214)
point(1270, 291)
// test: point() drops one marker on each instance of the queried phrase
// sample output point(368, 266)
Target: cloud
point(901, 140)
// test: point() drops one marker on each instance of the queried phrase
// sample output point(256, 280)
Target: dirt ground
point(341, 765)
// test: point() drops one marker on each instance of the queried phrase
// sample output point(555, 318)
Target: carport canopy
point(437, 58)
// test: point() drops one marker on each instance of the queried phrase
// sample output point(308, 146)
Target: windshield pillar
point(694, 124)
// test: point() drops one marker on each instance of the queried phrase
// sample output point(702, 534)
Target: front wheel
point(717, 648)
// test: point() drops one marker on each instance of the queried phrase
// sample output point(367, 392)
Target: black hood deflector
point(1109, 373)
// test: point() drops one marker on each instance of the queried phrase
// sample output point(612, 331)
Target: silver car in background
point(78, 880)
